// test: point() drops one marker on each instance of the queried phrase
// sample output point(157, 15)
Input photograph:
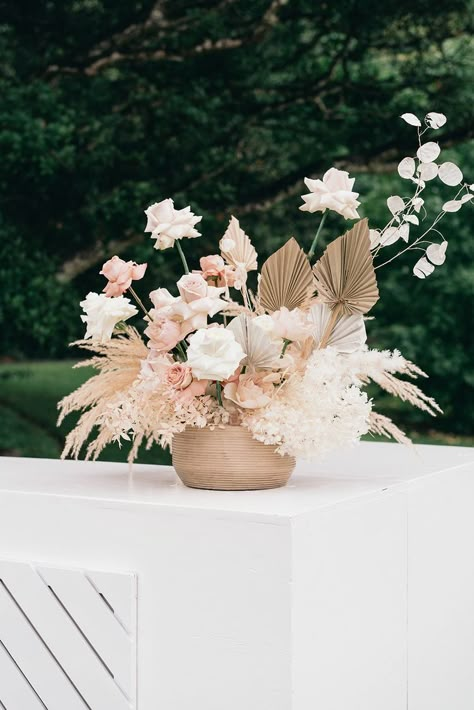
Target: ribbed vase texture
point(228, 459)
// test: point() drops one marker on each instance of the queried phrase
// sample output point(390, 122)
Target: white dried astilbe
point(155, 414)
point(334, 413)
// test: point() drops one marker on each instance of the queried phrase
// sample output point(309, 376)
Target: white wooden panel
point(15, 691)
point(61, 635)
point(119, 591)
point(34, 659)
point(96, 621)
point(350, 607)
point(441, 593)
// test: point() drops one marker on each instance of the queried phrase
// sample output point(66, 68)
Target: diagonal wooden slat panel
point(34, 659)
point(15, 691)
point(66, 642)
point(96, 621)
point(119, 591)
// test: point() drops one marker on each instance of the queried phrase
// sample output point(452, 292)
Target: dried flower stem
point(219, 392)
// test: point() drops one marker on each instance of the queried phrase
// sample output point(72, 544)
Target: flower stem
point(315, 240)
point(181, 351)
point(219, 392)
point(183, 258)
point(286, 343)
point(138, 300)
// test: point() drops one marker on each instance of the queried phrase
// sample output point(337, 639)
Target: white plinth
point(351, 589)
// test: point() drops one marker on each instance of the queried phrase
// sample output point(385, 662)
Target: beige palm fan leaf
point(262, 352)
point(347, 335)
point(345, 276)
point(237, 249)
point(286, 279)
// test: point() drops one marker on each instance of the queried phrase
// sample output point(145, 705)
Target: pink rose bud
point(120, 275)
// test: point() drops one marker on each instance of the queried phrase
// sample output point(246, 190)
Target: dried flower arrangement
point(289, 363)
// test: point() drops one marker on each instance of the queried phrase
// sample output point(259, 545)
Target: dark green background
point(107, 106)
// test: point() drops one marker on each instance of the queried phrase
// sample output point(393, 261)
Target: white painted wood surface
point(351, 589)
point(65, 639)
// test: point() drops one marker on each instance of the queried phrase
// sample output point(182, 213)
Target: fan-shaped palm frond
point(262, 352)
point(286, 278)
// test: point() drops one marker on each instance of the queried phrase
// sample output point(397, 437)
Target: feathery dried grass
point(118, 362)
point(382, 425)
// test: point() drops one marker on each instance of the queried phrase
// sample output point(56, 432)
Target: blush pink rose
point(120, 274)
point(196, 389)
point(192, 287)
point(249, 391)
point(216, 270)
point(164, 334)
point(179, 376)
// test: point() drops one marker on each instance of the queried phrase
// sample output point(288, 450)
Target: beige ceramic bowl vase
point(228, 459)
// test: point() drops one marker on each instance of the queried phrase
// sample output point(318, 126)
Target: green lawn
point(29, 393)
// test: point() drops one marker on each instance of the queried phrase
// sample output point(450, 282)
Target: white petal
point(428, 152)
point(411, 119)
point(406, 168)
point(450, 174)
point(390, 236)
point(452, 206)
point(418, 203)
point(412, 218)
point(423, 268)
point(418, 181)
point(471, 187)
point(395, 204)
point(374, 236)
point(435, 120)
point(436, 253)
point(428, 171)
point(466, 198)
point(404, 232)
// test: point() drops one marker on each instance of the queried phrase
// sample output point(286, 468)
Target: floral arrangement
point(289, 361)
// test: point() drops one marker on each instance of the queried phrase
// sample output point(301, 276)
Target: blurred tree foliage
point(109, 105)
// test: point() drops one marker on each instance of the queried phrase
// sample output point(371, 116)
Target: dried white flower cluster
point(336, 413)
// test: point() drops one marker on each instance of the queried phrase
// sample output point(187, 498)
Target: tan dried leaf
point(241, 254)
point(345, 276)
point(286, 279)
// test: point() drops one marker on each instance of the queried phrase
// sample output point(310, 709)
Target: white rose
point(266, 323)
point(167, 224)
point(103, 314)
point(291, 325)
point(333, 192)
point(214, 354)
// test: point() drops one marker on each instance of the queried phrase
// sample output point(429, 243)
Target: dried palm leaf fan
point(262, 352)
point(345, 276)
point(286, 279)
point(242, 252)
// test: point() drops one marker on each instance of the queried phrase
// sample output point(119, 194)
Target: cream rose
point(167, 224)
point(291, 325)
point(214, 354)
point(333, 192)
point(102, 314)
